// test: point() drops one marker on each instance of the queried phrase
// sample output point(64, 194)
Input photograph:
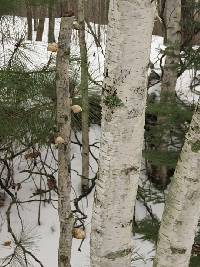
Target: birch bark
point(182, 208)
point(64, 128)
point(123, 110)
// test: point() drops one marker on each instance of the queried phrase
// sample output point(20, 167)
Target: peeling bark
point(123, 115)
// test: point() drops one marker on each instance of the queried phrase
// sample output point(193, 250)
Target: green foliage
point(42, 2)
point(28, 105)
point(176, 113)
point(148, 228)
point(113, 101)
point(190, 25)
point(160, 158)
point(171, 120)
point(195, 258)
point(190, 59)
point(172, 48)
point(195, 261)
point(8, 6)
point(25, 114)
point(150, 194)
point(197, 236)
point(196, 146)
point(94, 110)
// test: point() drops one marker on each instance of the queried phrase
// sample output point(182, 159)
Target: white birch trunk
point(124, 100)
point(182, 208)
point(64, 128)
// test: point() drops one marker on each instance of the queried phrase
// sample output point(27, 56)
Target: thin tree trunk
point(35, 21)
point(51, 36)
point(173, 42)
point(182, 208)
point(29, 20)
point(40, 27)
point(35, 24)
point(84, 96)
point(123, 116)
point(64, 128)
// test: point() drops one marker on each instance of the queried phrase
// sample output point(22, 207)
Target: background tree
point(51, 36)
point(29, 20)
point(84, 97)
point(40, 26)
point(172, 40)
point(64, 140)
point(172, 22)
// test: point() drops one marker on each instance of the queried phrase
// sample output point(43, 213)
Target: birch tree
point(84, 97)
point(123, 112)
point(182, 208)
point(64, 141)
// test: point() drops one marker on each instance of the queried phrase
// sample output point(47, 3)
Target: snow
point(47, 234)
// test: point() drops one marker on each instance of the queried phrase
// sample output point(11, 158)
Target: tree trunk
point(64, 129)
point(35, 21)
point(173, 42)
point(29, 20)
point(123, 116)
point(51, 36)
point(40, 27)
point(35, 24)
point(84, 96)
point(182, 208)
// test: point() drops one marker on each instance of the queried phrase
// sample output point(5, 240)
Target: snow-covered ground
point(47, 233)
